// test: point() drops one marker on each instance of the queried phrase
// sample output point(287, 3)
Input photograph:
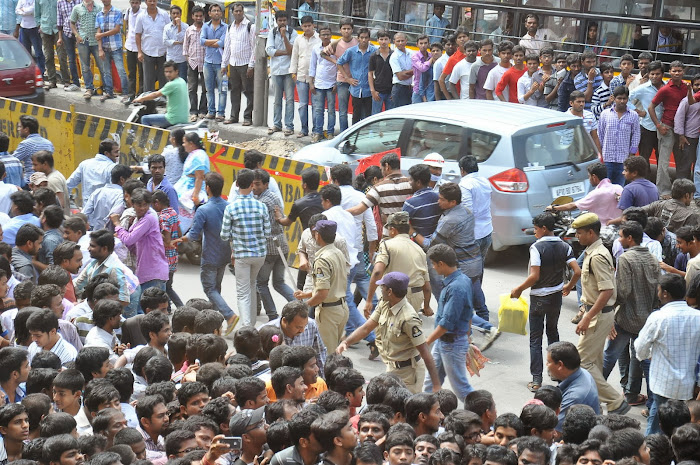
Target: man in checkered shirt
point(246, 224)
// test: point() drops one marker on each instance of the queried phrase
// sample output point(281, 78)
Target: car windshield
point(13, 55)
point(554, 147)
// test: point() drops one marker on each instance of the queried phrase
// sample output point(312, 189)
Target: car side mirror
point(346, 148)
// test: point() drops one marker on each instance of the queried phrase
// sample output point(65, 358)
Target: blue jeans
point(303, 92)
point(320, 99)
point(355, 318)
point(542, 308)
point(69, 44)
point(157, 121)
point(182, 70)
point(212, 81)
point(579, 290)
point(134, 304)
point(384, 102)
point(653, 420)
point(617, 347)
point(32, 39)
point(84, 51)
point(449, 360)
point(401, 95)
point(615, 172)
point(284, 86)
point(478, 321)
point(211, 277)
point(275, 266)
point(116, 56)
point(343, 90)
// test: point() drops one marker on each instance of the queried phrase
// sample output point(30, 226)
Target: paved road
point(506, 376)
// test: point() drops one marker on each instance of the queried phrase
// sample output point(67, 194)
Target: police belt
point(606, 309)
point(333, 304)
point(406, 363)
point(416, 289)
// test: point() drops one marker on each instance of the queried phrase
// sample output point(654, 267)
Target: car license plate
point(575, 188)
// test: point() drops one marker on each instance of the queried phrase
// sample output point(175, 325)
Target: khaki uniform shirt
point(330, 272)
point(402, 254)
point(400, 330)
point(597, 274)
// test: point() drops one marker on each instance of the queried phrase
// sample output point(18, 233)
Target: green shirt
point(46, 14)
point(178, 107)
point(85, 21)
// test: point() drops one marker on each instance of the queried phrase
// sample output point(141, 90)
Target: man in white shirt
point(173, 38)
point(536, 38)
point(30, 31)
point(239, 58)
point(150, 26)
point(133, 65)
point(299, 68)
point(505, 54)
point(43, 328)
point(462, 71)
point(530, 92)
point(672, 335)
point(107, 317)
point(322, 76)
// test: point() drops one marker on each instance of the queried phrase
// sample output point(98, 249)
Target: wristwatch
point(413, 236)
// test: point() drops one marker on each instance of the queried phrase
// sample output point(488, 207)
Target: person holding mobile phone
point(247, 431)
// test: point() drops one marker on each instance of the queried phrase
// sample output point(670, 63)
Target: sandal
point(273, 130)
point(577, 318)
point(645, 413)
point(219, 119)
point(229, 121)
point(288, 132)
point(87, 95)
point(533, 386)
point(639, 400)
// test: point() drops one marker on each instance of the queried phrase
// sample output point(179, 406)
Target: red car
point(20, 77)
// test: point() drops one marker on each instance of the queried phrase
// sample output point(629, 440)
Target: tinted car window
point(375, 137)
point(481, 144)
point(431, 136)
point(554, 147)
point(13, 55)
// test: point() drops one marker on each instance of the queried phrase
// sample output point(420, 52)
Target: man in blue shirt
point(28, 128)
point(436, 26)
point(422, 207)
point(22, 211)
point(212, 38)
point(576, 384)
point(589, 79)
point(13, 167)
point(216, 253)
point(452, 323)
point(156, 165)
point(354, 65)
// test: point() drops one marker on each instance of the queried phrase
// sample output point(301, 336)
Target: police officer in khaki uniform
point(400, 337)
point(400, 253)
point(330, 276)
point(598, 298)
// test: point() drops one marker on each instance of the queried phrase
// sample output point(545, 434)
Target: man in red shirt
point(462, 38)
point(670, 96)
point(510, 77)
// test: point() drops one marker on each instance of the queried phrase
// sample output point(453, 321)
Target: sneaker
point(373, 351)
point(231, 323)
point(622, 409)
point(72, 88)
point(128, 99)
point(490, 338)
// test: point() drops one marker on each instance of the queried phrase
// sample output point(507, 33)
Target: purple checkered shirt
point(619, 137)
point(192, 49)
point(65, 7)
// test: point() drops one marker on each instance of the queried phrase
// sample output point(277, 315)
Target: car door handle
point(8, 81)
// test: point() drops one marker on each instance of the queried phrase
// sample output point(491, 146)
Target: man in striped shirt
point(389, 193)
point(193, 51)
point(246, 224)
point(239, 57)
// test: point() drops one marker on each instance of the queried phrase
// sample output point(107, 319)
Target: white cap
point(434, 159)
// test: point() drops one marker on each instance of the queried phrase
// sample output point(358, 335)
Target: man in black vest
point(549, 256)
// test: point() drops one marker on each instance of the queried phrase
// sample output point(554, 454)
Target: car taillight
point(39, 79)
point(512, 180)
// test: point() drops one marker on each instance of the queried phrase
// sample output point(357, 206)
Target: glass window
point(376, 137)
point(488, 24)
point(416, 16)
point(380, 16)
point(624, 7)
point(560, 32)
point(13, 55)
point(561, 4)
point(481, 144)
point(673, 41)
point(554, 147)
point(684, 10)
point(330, 14)
point(430, 136)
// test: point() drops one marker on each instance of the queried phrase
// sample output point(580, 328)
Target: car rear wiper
point(568, 162)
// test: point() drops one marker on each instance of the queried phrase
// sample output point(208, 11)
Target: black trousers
point(134, 68)
point(649, 141)
point(238, 82)
point(361, 108)
point(152, 72)
point(196, 79)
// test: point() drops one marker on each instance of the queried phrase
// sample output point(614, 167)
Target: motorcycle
point(150, 107)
